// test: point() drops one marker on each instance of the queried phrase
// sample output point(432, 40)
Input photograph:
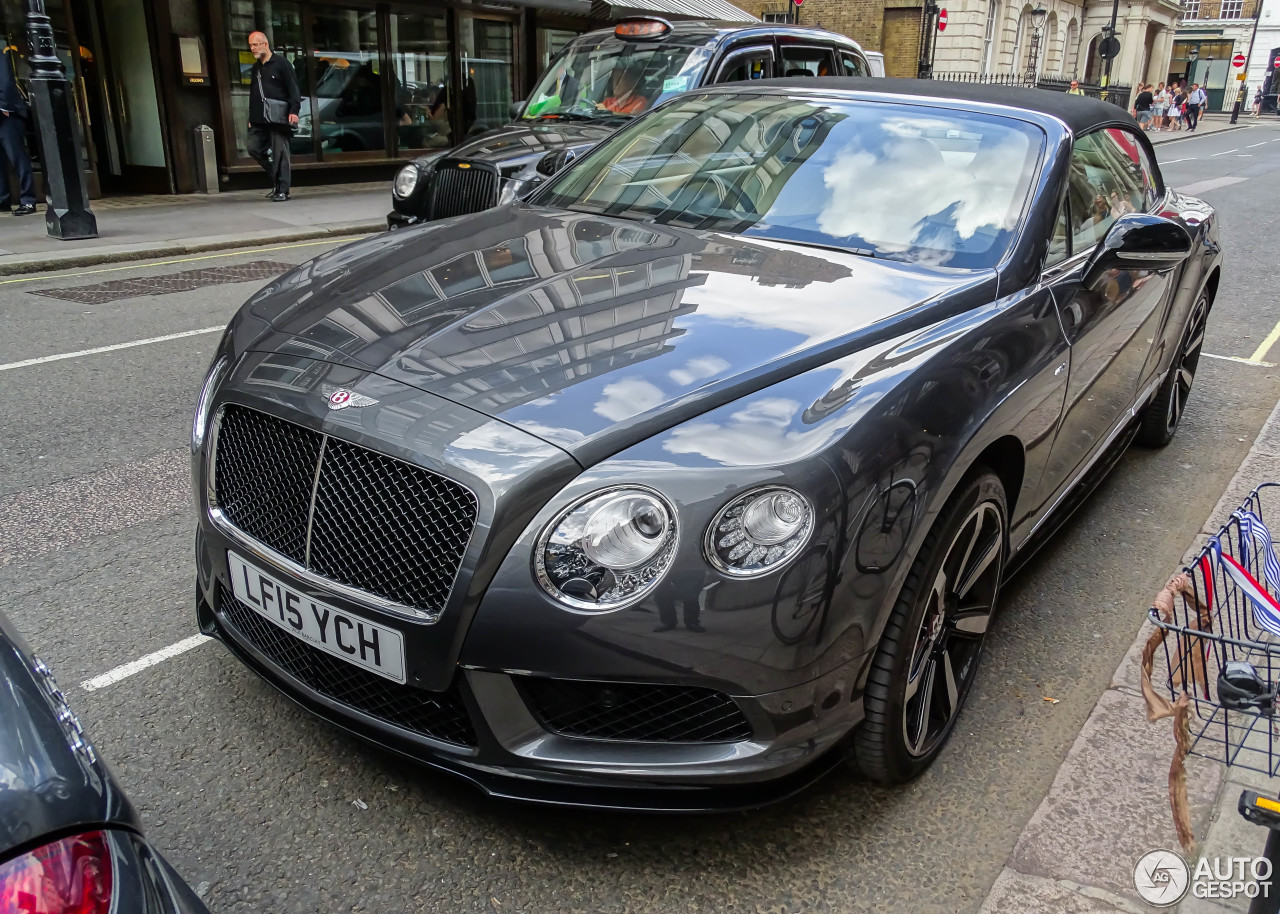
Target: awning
point(716, 10)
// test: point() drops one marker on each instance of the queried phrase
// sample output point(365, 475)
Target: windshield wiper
point(861, 252)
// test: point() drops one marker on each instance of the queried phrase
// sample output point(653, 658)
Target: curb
point(41, 262)
point(1116, 734)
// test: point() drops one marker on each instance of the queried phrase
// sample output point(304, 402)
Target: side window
point(1058, 247)
point(797, 61)
point(854, 65)
point(740, 66)
point(1150, 177)
point(1105, 183)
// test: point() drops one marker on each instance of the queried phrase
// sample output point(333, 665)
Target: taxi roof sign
point(642, 27)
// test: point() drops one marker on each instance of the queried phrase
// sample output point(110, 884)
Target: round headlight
point(406, 180)
point(759, 532)
point(608, 550)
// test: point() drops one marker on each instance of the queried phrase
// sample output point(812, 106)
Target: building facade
point(1003, 36)
point(1210, 34)
point(381, 81)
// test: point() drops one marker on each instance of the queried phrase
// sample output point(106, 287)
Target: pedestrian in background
point(1075, 88)
point(1142, 106)
point(274, 103)
point(13, 130)
point(1257, 102)
point(1159, 106)
point(1195, 104)
point(1176, 107)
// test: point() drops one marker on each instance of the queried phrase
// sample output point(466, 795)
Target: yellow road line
point(165, 263)
point(1266, 344)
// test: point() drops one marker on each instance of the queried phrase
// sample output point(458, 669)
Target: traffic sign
point(942, 21)
point(1276, 64)
point(1109, 47)
point(1237, 61)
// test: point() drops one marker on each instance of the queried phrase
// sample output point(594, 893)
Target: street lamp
point(1033, 59)
point(67, 214)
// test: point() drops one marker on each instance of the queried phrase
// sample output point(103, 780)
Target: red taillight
point(71, 876)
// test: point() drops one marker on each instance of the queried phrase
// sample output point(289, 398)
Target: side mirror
point(514, 111)
point(1139, 241)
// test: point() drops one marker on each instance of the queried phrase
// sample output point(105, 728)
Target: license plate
point(348, 637)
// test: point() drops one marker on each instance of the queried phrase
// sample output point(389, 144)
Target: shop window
point(420, 57)
point(348, 116)
point(487, 52)
point(281, 22)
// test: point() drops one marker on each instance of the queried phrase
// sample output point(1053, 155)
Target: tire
point(1161, 416)
point(935, 628)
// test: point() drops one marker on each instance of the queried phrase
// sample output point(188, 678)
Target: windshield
point(614, 79)
point(909, 182)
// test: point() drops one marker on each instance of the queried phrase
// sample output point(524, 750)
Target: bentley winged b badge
point(341, 397)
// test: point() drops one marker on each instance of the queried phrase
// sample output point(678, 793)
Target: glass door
point(281, 22)
point(420, 79)
point(347, 117)
point(487, 55)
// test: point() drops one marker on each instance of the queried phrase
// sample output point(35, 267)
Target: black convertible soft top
point(1079, 112)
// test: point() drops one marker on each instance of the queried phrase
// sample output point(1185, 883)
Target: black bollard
point(67, 214)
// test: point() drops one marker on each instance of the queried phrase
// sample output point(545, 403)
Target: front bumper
point(397, 219)
point(513, 756)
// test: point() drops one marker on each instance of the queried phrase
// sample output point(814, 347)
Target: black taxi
point(597, 83)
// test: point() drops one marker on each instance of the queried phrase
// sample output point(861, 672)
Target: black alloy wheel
point(927, 659)
point(1160, 419)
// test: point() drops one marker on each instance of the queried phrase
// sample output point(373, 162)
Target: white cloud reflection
point(628, 397)
point(706, 366)
point(886, 196)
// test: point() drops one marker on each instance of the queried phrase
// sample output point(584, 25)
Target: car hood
point(531, 139)
point(593, 333)
point(47, 785)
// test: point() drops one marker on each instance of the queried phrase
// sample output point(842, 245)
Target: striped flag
point(1266, 609)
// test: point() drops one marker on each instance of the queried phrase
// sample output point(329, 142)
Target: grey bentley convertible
point(699, 471)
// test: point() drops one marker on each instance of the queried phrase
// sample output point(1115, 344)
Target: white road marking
point(1235, 358)
point(1224, 152)
point(1176, 161)
point(1244, 155)
point(1263, 143)
point(111, 677)
point(1211, 184)
point(26, 363)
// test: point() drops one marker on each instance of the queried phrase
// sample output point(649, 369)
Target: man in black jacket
point(13, 130)
point(274, 77)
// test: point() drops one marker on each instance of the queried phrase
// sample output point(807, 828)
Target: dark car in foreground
point(598, 83)
point(699, 471)
point(70, 842)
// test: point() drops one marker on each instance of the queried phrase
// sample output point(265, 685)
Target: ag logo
point(1161, 878)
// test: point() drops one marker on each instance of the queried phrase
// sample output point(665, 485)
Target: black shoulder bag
point(274, 110)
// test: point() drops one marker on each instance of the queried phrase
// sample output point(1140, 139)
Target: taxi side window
point(799, 61)
point(854, 65)
point(741, 66)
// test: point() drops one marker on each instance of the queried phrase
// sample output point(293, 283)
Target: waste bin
point(206, 161)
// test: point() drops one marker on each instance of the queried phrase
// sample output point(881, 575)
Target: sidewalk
point(1216, 122)
point(131, 228)
point(1109, 802)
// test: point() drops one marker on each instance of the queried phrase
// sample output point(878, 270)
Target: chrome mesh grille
point(412, 553)
point(458, 190)
point(438, 715)
point(634, 712)
point(265, 472)
point(376, 524)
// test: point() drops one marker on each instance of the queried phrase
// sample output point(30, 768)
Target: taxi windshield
point(614, 78)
